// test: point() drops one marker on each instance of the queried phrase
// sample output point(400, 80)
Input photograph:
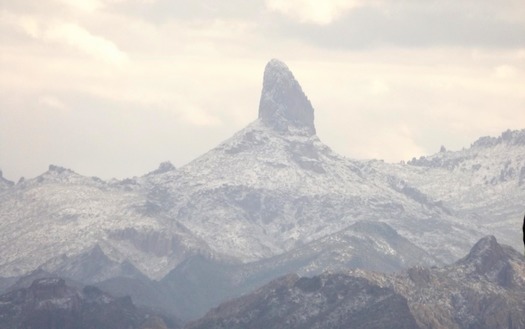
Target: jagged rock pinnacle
point(283, 103)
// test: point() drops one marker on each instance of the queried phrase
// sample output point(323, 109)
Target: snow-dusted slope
point(272, 188)
point(484, 185)
point(63, 213)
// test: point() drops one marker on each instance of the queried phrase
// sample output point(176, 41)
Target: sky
point(112, 88)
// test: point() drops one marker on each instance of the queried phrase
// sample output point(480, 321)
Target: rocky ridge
point(485, 289)
point(51, 304)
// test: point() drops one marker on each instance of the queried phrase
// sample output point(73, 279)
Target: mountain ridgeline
point(484, 290)
point(49, 303)
point(271, 200)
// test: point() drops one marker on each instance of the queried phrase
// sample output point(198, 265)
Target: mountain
point(203, 283)
point(90, 267)
point(485, 289)
point(61, 213)
point(326, 301)
point(272, 199)
point(51, 304)
point(274, 186)
point(483, 185)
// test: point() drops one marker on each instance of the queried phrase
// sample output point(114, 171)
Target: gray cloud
point(417, 24)
point(160, 11)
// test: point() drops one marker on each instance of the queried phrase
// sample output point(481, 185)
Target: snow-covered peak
point(283, 105)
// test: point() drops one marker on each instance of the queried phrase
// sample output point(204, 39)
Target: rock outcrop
point(283, 104)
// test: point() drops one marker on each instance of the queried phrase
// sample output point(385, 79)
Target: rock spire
point(283, 105)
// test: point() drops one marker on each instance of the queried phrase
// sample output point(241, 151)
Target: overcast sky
point(111, 88)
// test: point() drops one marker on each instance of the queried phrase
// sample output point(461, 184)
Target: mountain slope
point(63, 213)
point(203, 283)
point(275, 186)
point(484, 185)
point(51, 304)
point(485, 289)
point(326, 301)
point(271, 188)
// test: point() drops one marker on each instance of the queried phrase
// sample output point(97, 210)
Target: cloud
point(53, 102)
point(408, 24)
point(389, 143)
point(66, 33)
point(85, 5)
point(505, 71)
point(198, 117)
point(378, 87)
point(170, 79)
point(312, 11)
point(159, 12)
point(83, 40)
point(93, 5)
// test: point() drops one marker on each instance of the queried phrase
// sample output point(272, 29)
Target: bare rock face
point(283, 105)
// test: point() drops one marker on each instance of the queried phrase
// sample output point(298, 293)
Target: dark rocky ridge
point(51, 304)
point(326, 301)
point(206, 282)
point(484, 290)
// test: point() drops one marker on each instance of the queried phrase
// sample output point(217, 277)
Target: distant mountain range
point(49, 303)
point(484, 290)
point(271, 200)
